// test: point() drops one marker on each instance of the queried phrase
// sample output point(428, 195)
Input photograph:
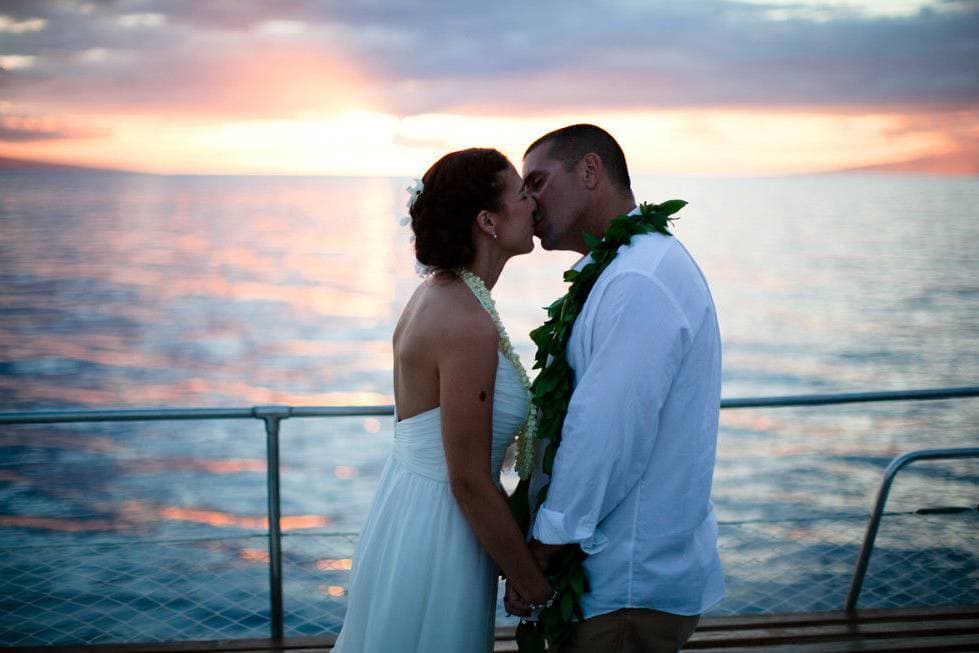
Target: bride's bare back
point(427, 332)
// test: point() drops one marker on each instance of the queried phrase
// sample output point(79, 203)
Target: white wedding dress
point(420, 580)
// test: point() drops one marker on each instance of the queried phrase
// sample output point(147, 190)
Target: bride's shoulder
point(449, 312)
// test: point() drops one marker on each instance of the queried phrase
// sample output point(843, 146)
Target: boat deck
point(918, 629)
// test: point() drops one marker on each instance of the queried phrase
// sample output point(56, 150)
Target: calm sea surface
point(121, 291)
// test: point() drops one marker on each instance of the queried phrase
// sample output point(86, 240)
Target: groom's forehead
point(537, 162)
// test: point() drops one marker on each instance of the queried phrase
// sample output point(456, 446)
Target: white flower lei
point(527, 433)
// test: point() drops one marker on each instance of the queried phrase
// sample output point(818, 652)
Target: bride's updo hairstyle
point(456, 188)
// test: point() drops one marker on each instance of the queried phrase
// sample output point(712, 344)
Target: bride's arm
point(467, 373)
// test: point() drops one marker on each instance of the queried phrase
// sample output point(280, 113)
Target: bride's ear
point(486, 223)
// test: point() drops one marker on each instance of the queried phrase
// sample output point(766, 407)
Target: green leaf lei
point(551, 392)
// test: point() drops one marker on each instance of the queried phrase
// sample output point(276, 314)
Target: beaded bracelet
point(537, 608)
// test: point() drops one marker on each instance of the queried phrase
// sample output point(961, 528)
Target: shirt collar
point(586, 259)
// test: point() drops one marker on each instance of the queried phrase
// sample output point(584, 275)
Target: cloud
point(11, 26)
point(693, 55)
point(135, 21)
point(282, 58)
point(18, 129)
point(10, 62)
point(9, 135)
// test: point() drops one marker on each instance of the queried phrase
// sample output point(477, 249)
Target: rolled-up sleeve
point(631, 356)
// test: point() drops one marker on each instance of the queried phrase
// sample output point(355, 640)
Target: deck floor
point(908, 630)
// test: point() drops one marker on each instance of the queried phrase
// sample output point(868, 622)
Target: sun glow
point(366, 143)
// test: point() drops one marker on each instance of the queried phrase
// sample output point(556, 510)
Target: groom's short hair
point(570, 144)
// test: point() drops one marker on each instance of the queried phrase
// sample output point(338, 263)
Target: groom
point(631, 480)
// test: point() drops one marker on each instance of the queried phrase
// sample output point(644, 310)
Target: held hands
point(529, 608)
point(514, 603)
point(517, 605)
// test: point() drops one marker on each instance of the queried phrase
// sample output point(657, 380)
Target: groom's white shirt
point(632, 477)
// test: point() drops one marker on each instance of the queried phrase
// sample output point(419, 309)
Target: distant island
point(7, 163)
point(955, 163)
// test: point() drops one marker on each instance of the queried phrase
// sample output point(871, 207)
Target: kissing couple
point(610, 541)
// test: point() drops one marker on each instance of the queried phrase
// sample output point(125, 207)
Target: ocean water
point(121, 291)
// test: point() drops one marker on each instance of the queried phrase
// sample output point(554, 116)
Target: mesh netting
point(218, 588)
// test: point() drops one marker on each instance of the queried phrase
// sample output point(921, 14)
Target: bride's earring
point(494, 235)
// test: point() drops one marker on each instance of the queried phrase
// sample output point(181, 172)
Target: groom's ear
point(591, 170)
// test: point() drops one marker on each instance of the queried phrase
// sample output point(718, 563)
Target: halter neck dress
point(420, 579)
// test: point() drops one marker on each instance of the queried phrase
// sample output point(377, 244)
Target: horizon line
point(908, 167)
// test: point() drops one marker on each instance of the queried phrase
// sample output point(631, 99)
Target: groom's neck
point(621, 205)
point(602, 213)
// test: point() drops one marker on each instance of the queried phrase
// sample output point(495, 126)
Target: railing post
point(860, 571)
point(272, 416)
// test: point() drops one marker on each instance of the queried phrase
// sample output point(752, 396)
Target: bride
point(439, 532)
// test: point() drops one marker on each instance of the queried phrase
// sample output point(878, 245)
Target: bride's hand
point(514, 603)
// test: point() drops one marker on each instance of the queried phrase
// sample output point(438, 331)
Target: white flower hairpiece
point(413, 193)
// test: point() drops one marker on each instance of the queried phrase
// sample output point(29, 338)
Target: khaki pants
point(632, 630)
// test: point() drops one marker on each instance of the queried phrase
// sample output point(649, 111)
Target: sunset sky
point(383, 87)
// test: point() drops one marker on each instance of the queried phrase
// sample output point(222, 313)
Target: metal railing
point(896, 465)
point(272, 416)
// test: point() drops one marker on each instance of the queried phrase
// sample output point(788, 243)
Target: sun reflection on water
point(341, 564)
point(215, 286)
